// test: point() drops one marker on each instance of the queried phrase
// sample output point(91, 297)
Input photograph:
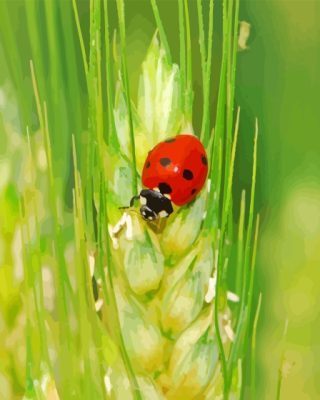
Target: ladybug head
point(154, 205)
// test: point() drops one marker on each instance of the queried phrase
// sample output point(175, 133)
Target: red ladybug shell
point(177, 166)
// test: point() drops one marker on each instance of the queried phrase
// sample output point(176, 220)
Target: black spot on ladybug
point(164, 188)
point(193, 191)
point(170, 140)
point(204, 160)
point(148, 164)
point(187, 174)
point(165, 161)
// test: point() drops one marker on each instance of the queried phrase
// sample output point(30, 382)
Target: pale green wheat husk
point(162, 272)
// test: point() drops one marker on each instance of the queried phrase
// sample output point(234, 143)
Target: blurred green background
point(277, 81)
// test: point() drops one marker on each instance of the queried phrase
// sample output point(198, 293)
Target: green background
point(278, 80)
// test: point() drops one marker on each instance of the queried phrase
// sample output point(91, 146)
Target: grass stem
point(163, 36)
point(121, 15)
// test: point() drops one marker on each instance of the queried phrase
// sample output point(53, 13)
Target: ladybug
point(174, 171)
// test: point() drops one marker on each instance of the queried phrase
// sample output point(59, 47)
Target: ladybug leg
point(159, 223)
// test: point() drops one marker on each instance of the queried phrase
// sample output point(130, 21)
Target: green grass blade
point(240, 244)
point(72, 78)
point(205, 126)
point(80, 37)
point(220, 118)
point(182, 42)
point(189, 91)
point(111, 137)
point(250, 221)
point(229, 181)
point(232, 18)
point(249, 305)
point(56, 100)
point(212, 221)
point(253, 263)
point(245, 307)
point(232, 67)
point(120, 7)
point(223, 361)
point(253, 360)
point(162, 33)
point(203, 51)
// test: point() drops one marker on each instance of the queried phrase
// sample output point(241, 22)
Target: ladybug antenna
point(133, 199)
point(131, 202)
